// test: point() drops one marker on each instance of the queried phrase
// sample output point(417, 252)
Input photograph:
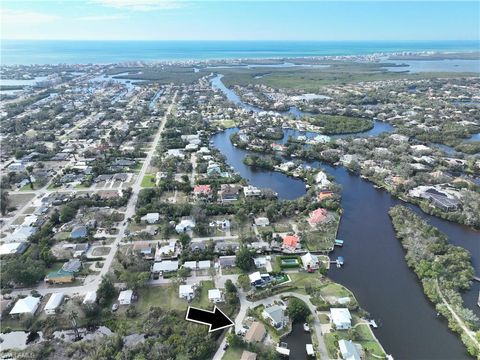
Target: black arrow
point(215, 319)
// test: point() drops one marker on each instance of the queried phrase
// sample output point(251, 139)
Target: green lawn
point(166, 297)
point(148, 181)
point(27, 187)
point(232, 354)
point(322, 238)
point(335, 290)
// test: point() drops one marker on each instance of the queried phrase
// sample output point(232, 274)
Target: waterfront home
point(215, 295)
point(151, 218)
point(256, 279)
point(341, 318)
point(318, 216)
point(125, 297)
point(256, 333)
point(27, 305)
point(275, 316)
point(53, 303)
point(229, 192)
point(186, 292)
point(251, 191)
point(325, 194)
point(349, 350)
point(291, 242)
point(310, 261)
point(278, 147)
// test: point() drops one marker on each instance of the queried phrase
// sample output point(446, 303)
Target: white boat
point(306, 327)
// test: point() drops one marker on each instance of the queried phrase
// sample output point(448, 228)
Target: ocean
point(106, 52)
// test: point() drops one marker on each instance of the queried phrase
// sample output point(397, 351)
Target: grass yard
point(19, 200)
point(232, 354)
point(101, 251)
point(322, 238)
point(165, 297)
point(148, 181)
point(335, 290)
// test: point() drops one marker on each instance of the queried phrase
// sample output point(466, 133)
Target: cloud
point(102, 17)
point(142, 5)
point(9, 17)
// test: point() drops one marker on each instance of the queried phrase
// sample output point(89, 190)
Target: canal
point(375, 268)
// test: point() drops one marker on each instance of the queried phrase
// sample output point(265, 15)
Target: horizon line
point(253, 40)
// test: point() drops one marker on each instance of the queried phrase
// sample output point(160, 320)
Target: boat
point(373, 324)
point(306, 327)
point(338, 242)
point(309, 350)
point(282, 349)
point(340, 261)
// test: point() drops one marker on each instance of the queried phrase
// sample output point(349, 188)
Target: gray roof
point(72, 265)
point(78, 232)
point(275, 312)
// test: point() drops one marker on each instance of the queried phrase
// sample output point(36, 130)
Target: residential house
point(291, 242)
point(186, 292)
point(310, 261)
point(348, 350)
point(21, 234)
point(53, 303)
point(341, 318)
point(318, 216)
point(185, 225)
point(229, 192)
point(202, 191)
point(79, 232)
point(125, 297)
point(227, 261)
point(251, 191)
point(164, 266)
point(204, 264)
point(59, 277)
point(14, 248)
point(262, 221)
point(275, 316)
point(26, 306)
point(72, 266)
point(151, 218)
point(192, 265)
point(325, 194)
point(256, 333)
point(90, 297)
point(215, 295)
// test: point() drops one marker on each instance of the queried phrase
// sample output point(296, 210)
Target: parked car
point(115, 307)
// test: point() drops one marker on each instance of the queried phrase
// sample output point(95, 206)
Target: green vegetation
point(444, 269)
point(263, 162)
point(244, 259)
point(297, 310)
point(335, 124)
point(148, 181)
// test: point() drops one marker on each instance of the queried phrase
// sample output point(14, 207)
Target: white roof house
point(214, 295)
point(254, 277)
point(125, 297)
point(186, 292)
point(185, 225)
point(348, 350)
point(310, 261)
point(341, 318)
point(262, 221)
point(165, 266)
point(90, 297)
point(26, 305)
point(151, 218)
point(12, 248)
point(21, 234)
point(53, 303)
point(260, 262)
point(190, 265)
point(204, 264)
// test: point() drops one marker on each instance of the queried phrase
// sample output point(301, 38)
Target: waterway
point(296, 341)
point(375, 268)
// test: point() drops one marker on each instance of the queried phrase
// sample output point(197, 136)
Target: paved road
point(130, 212)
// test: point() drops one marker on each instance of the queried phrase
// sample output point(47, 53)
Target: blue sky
point(234, 20)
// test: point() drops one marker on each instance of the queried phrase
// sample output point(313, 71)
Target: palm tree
point(4, 201)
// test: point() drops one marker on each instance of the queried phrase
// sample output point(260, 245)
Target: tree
point(105, 291)
point(297, 310)
point(230, 287)
point(4, 201)
point(184, 240)
point(244, 259)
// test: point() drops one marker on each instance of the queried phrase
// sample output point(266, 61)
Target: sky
point(238, 20)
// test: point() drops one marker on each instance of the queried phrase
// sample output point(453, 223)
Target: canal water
point(296, 341)
point(375, 268)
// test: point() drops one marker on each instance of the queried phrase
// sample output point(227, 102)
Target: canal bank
point(375, 268)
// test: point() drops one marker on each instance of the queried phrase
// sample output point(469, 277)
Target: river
point(375, 268)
